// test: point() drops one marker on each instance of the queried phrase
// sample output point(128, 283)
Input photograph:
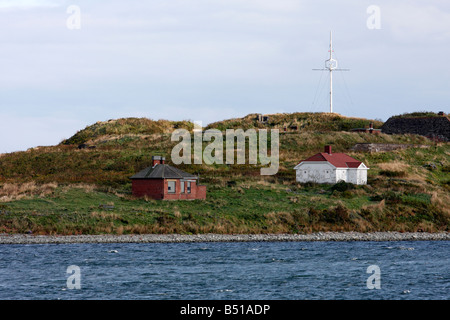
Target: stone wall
point(433, 127)
point(379, 147)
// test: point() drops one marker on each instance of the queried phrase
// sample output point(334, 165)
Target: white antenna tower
point(331, 65)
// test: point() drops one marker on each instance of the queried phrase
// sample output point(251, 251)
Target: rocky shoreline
point(180, 238)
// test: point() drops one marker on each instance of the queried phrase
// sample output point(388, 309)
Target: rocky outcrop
point(437, 128)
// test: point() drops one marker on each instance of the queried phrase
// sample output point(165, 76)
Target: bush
point(336, 215)
point(347, 194)
point(392, 174)
point(376, 197)
point(342, 186)
point(392, 197)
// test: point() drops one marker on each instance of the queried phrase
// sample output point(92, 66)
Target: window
point(171, 186)
point(188, 187)
point(182, 186)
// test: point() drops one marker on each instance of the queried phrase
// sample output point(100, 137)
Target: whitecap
point(406, 291)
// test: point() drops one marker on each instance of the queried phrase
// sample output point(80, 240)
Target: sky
point(68, 64)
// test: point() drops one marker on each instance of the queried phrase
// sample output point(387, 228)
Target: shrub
point(376, 197)
point(392, 197)
point(342, 186)
point(337, 215)
point(392, 174)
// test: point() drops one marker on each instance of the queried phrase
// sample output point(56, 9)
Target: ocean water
point(227, 271)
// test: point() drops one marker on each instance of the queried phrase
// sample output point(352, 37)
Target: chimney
point(157, 160)
point(328, 149)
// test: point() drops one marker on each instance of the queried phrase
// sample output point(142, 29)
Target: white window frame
point(174, 186)
point(188, 187)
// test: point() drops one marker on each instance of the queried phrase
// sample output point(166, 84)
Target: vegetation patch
point(66, 190)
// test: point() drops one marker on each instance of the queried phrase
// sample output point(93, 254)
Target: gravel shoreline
point(177, 238)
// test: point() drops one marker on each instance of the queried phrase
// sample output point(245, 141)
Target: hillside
point(128, 126)
point(300, 121)
point(66, 190)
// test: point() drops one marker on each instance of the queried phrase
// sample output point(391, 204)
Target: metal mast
point(331, 65)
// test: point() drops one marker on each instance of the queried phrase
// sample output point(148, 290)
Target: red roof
point(339, 160)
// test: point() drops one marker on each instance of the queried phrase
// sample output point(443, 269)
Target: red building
point(164, 182)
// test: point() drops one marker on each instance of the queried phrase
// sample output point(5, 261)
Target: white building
point(327, 167)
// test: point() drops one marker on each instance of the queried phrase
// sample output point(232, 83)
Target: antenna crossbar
point(331, 65)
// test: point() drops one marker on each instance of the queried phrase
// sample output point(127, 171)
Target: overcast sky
point(209, 60)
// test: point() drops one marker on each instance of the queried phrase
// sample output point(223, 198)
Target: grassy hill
point(126, 127)
point(418, 114)
point(66, 190)
point(305, 121)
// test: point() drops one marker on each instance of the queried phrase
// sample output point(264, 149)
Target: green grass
point(305, 121)
point(243, 208)
point(418, 114)
point(61, 189)
point(127, 127)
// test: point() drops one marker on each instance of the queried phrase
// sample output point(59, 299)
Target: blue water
point(227, 271)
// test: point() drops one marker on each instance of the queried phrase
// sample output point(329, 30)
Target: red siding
point(201, 192)
point(158, 189)
point(153, 188)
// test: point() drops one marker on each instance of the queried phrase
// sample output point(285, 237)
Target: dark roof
point(339, 160)
point(163, 171)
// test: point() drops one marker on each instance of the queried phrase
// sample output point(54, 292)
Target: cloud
point(417, 22)
point(28, 4)
point(20, 133)
point(217, 59)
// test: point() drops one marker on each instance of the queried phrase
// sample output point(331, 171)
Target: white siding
point(362, 176)
point(319, 172)
point(324, 172)
point(352, 175)
point(341, 175)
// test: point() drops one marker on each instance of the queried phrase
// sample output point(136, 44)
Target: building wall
point(197, 192)
point(319, 172)
point(201, 192)
point(158, 189)
point(323, 172)
point(361, 176)
point(352, 175)
point(341, 175)
point(153, 188)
